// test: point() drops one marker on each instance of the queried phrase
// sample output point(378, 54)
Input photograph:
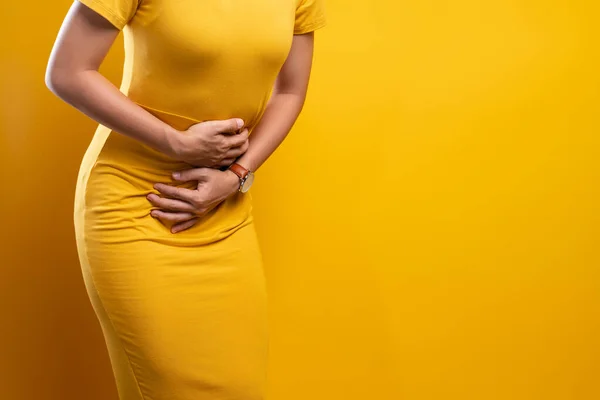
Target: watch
point(246, 176)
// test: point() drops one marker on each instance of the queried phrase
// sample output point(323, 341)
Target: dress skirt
point(184, 315)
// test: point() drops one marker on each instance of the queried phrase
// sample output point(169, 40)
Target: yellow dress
point(184, 315)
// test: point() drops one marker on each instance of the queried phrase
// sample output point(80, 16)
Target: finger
point(227, 126)
point(187, 195)
point(182, 226)
point(193, 174)
point(227, 162)
point(173, 217)
point(237, 152)
point(239, 140)
point(169, 204)
point(230, 157)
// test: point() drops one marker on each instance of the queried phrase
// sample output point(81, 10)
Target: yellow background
point(431, 227)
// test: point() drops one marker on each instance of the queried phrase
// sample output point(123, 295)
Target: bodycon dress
point(184, 315)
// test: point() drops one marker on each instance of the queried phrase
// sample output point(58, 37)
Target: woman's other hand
point(210, 144)
point(181, 207)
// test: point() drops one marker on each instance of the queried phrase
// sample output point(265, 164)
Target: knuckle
point(171, 217)
point(206, 124)
point(200, 127)
point(197, 201)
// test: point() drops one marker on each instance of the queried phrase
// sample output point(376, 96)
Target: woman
point(163, 219)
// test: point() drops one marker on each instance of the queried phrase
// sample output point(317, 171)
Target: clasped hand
point(208, 146)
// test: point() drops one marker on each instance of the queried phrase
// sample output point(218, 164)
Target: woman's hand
point(210, 144)
point(182, 207)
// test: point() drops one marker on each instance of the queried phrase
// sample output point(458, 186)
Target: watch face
point(247, 182)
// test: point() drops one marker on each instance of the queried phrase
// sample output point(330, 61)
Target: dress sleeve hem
point(108, 14)
point(318, 24)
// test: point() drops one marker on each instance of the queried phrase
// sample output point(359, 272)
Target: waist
point(117, 174)
point(181, 115)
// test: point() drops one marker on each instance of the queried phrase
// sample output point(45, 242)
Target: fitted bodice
point(207, 59)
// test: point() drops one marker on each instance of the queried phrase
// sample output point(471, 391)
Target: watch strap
point(240, 171)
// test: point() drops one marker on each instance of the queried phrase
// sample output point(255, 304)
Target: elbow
point(55, 80)
point(58, 81)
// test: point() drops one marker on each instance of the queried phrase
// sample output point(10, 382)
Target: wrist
point(244, 175)
point(245, 163)
point(172, 140)
point(233, 180)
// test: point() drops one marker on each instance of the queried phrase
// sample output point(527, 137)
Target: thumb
point(232, 125)
point(194, 174)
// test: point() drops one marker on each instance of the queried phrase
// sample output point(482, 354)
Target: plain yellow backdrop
point(431, 228)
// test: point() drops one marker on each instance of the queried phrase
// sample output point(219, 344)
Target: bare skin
point(72, 74)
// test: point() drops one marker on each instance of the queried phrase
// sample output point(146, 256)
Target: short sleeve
point(310, 16)
point(117, 12)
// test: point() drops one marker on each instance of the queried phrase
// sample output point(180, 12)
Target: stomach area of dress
point(116, 175)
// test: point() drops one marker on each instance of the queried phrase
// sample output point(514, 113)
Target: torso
point(207, 59)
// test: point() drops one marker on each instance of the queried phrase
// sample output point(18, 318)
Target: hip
point(116, 175)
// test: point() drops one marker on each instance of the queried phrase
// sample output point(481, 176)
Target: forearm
point(98, 98)
point(277, 121)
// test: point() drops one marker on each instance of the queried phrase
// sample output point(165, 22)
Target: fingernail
point(240, 122)
point(176, 175)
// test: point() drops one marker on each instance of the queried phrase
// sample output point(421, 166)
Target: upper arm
point(86, 35)
point(295, 73)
